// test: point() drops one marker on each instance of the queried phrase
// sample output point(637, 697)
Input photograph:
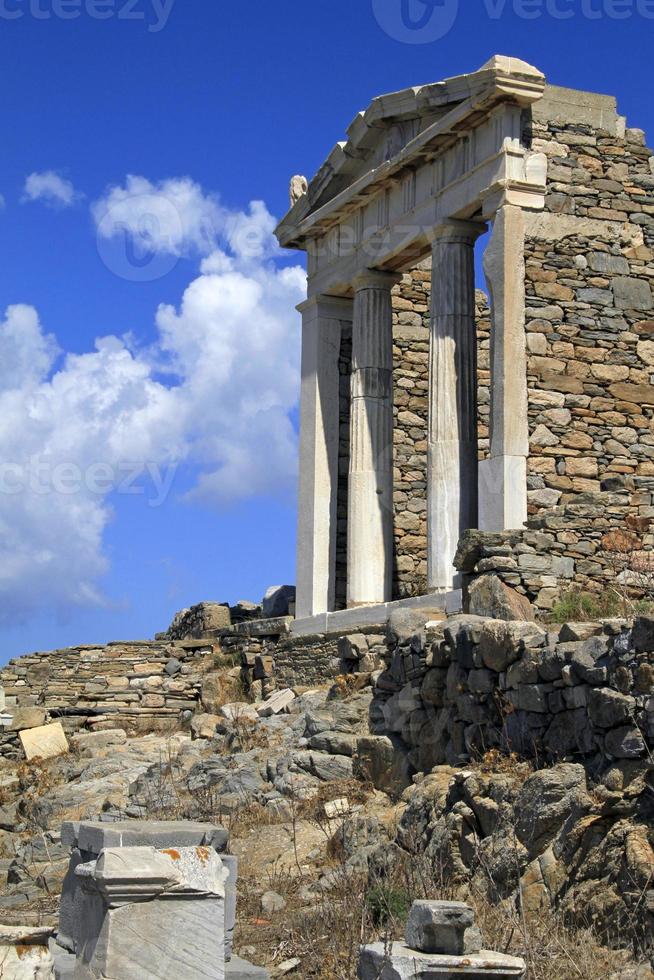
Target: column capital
point(454, 230)
point(375, 279)
point(331, 307)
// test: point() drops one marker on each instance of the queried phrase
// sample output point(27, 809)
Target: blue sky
point(204, 107)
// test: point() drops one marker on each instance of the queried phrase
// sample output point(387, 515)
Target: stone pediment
point(402, 130)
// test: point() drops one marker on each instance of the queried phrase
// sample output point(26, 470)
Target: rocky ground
point(327, 860)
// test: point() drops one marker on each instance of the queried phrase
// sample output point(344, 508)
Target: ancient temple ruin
point(536, 399)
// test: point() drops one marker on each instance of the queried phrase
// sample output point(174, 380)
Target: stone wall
point(141, 687)
point(411, 314)
point(590, 319)
point(571, 546)
point(455, 690)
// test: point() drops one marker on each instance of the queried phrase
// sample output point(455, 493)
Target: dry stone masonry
point(451, 692)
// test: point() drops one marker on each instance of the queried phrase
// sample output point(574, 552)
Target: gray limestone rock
point(489, 596)
point(279, 600)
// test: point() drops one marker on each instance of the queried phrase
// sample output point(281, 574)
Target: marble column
point(452, 441)
point(503, 477)
point(370, 484)
point(322, 320)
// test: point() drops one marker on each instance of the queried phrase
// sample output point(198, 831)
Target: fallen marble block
point(276, 703)
point(88, 838)
point(443, 927)
point(238, 969)
point(152, 915)
point(377, 962)
point(24, 953)
point(44, 742)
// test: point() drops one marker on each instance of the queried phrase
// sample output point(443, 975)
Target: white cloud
point(176, 217)
point(54, 190)
point(173, 216)
point(214, 392)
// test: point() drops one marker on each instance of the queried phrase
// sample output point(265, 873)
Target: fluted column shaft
point(323, 319)
point(370, 488)
point(452, 440)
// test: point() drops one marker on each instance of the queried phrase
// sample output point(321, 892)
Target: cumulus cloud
point(51, 188)
point(173, 216)
point(213, 393)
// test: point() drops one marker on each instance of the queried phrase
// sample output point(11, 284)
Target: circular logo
point(136, 237)
point(416, 21)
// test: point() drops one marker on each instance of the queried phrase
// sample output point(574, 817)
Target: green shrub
point(388, 905)
point(577, 606)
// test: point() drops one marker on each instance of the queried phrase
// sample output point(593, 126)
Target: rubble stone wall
point(454, 691)
point(590, 314)
point(568, 547)
point(141, 687)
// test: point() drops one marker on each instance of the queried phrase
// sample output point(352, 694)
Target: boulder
point(383, 761)
point(626, 742)
point(546, 800)
point(489, 596)
point(92, 743)
point(239, 711)
point(608, 708)
point(502, 642)
point(279, 600)
point(204, 725)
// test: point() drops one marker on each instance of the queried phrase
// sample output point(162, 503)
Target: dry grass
point(325, 930)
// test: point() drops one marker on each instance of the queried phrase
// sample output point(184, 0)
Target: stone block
point(278, 702)
point(173, 900)
point(25, 953)
point(632, 294)
point(25, 717)
point(93, 836)
point(44, 742)
point(442, 927)
point(399, 962)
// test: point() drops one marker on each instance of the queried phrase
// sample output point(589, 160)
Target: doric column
point(370, 489)
point(322, 318)
point(503, 477)
point(452, 449)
